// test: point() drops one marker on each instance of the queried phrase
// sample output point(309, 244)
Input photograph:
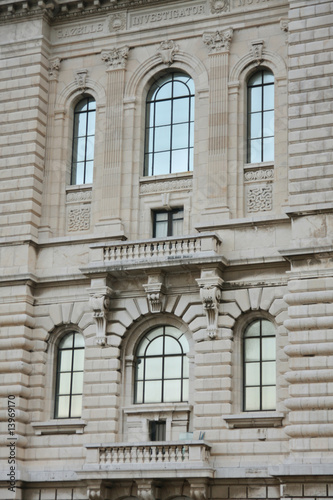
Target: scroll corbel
point(210, 294)
point(155, 291)
point(100, 303)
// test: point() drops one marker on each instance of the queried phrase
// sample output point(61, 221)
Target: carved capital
point(167, 50)
point(155, 291)
point(256, 50)
point(210, 294)
point(54, 67)
point(115, 58)
point(218, 6)
point(147, 490)
point(219, 41)
point(100, 303)
point(81, 79)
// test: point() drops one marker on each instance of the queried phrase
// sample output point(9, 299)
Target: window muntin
point(259, 361)
point(161, 367)
point(168, 223)
point(169, 125)
point(69, 378)
point(83, 141)
point(260, 126)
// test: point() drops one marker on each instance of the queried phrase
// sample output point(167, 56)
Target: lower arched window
point(69, 381)
point(259, 355)
point(162, 368)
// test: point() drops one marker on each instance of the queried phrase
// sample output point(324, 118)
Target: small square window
point(168, 223)
point(157, 430)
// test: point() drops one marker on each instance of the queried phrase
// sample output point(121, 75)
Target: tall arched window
point(69, 380)
point(260, 117)
point(259, 355)
point(169, 125)
point(83, 141)
point(162, 368)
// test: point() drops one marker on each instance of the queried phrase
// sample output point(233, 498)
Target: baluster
point(108, 456)
point(154, 453)
point(127, 455)
point(140, 455)
point(172, 454)
point(173, 245)
point(134, 454)
point(102, 456)
point(146, 454)
point(186, 453)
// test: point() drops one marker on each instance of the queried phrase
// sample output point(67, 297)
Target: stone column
point(217, 182)
point(110, 199)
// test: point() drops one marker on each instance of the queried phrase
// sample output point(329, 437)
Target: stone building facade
point(166, 274)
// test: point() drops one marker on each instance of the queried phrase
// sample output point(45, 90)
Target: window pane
point(161, 216)
point(90, 148)
point(252, 349)
point(155, 347)
point(153, 391)
point(62, 407)
point(268, 77)
point(139, 369)
point(192, 108)
point(149, 140)
point(80, 128)
point(172, 367)
point(256, 79)
point(252, 399)
point(162, 113)
point(162, 138)
point(139, 392)
point(148, 164)
point(181, 110)
point(253, 330)
point(268, 97)
point(267, 327)
point(179, 89)
point(161, 229)
point(164, 92)
point(78, 340)
point(269, 373)
point(177, 227)
point(89, 172)
point(65, 361)
point(66, 341)
point(180, 136)
point(150, 115)
point(268, 348)
point(255, 95)
point(255, 125)
point(268, 123)
point(191, 160)
point(179, 160)
point(252, 374)
point(185, 367)
point(268, 149)
point(255, 151)
point(156, 332)
point(153, 368)
point(82, 105)
point(191, 134)
point(76, 407)
point(80, 150)
point(172, 390)
point(162, 163)
point(185, 390)
point(64, 383)
point(171, 330)
point(91, 123)
point(77, 385)
point(171, 346)
point(268, 398)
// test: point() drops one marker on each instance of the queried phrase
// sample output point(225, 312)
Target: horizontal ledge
point(188, 442)
point(246, 420)
point(62, 426)
point(157, 408)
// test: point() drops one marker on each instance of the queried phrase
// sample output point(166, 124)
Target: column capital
point(218, 42)
point(115, 58)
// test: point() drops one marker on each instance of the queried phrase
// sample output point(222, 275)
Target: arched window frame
point(155, 131)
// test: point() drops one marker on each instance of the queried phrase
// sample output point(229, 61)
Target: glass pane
point(192, 134)
point(255, 151)
point(161, 229)
point(180, 136)
point(148, 164)
point(91, 123)
point(153, 391)
point(172, 367)
point(191, 160)
point(155, 347)
point(164, 91)
point(268, 398)
point(153, 368)
point(63, 407)
point(65, 361)
point(256, 79)
point(185, 390)
point(162, 138)
point(64, 383)
point(78, 340)
point(255, 99)
point(80, 149)
point(268, 97)
point(181, 110)
point(268, 123)
point(77, 385)
point(268, 348)
point(177, 227)
point(190, 85)
point(92, 104)
point(268, 149)
point(80, 127)
point(150, 115)
point(90, 148)
point(149, 140)
point(172, 390)
point(156, 332)
point(252, 374)
point(171, 330)
point(268, 77)
point(82, 105)
point(171, 346)
point(142, 347)
point(179, 160)
point(76, 407)
point(66, 341)
point(163, 113)
point(139, 369)
point(253, 330)
point(162, 163)
point(89, 172)
point(252, 399)
point(255, 130)
point(139, 392)
point(161, 216)
point(192, 109)
point(252, 349)
point(185, 367)
point(267, 328)
point(179, 89)
point(269, 373)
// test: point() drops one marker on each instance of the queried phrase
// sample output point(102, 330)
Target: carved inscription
point(162, 16)
point(87, 29)
point(247, 3)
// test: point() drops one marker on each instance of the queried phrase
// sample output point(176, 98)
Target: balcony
point(149, 459)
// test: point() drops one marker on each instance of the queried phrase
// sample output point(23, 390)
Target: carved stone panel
point(259, 198)
point(78, 218)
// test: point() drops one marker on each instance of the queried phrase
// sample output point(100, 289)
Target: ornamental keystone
point(100, 300)
point(155, 291)
point(167, 50)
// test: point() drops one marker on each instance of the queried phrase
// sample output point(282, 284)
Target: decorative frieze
point(259, 175)
point(167, 15)
point(259, 198)
point(78, 218)
point(100, 303)
point(162, 186)
point(167, 50)
point(115, 58)
point(219, 41)
point(78, 196)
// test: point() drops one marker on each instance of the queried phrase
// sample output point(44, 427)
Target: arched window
point(259, 354)
point(69, 380)
point(169, 125)
point(162, 368)
point(83, 141)
point(260, 117)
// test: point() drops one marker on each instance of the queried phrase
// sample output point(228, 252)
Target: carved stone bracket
point(256, 50)
point(155, 291)
point(210, 285)
point(97, 492)
point(198, 490)
point(167, 50)
point(100, 304)
point(147, 490)
point(115, 58)
point(218, 42)
point(54, 67)
point(218, 6)
point(284, 24)
point(81, 79)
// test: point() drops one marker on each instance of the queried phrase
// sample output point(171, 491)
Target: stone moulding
point(162, 186)
point(256, 420)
